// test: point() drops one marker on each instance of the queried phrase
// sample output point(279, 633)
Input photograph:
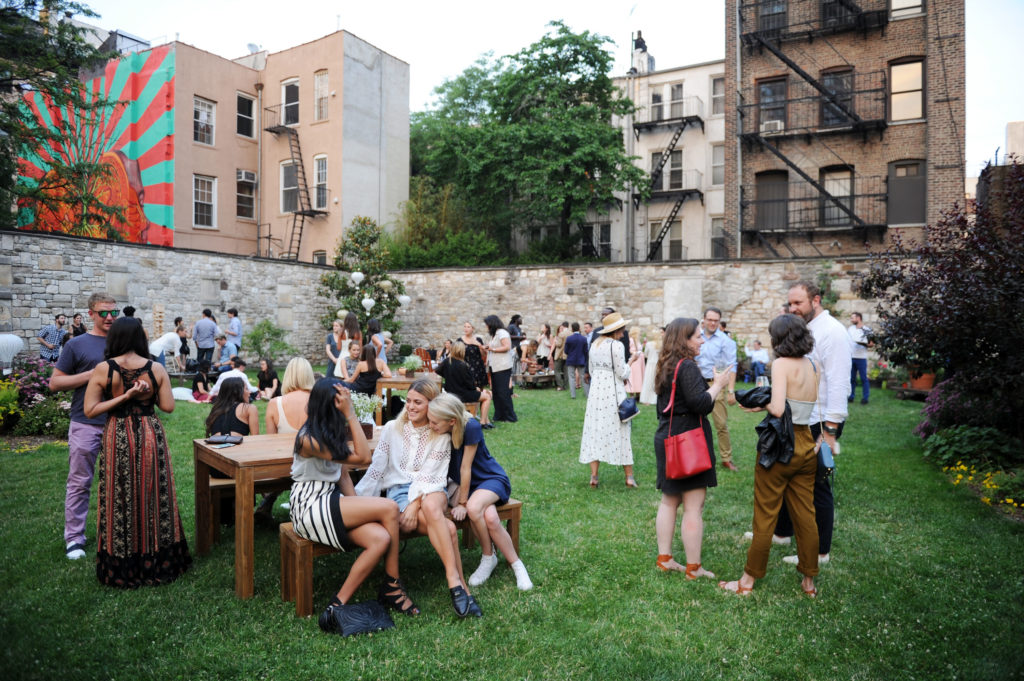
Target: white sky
point(442, 38)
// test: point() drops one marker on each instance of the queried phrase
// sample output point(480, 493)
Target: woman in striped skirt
point(325, 509)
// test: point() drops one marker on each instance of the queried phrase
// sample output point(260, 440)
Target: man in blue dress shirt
point(719, 353)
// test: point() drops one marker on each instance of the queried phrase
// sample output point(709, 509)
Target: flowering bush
point(50, 415)
point(366, 406)
point(10, 409)
point(32, 376)
point(1005, 490)
point(985, 448)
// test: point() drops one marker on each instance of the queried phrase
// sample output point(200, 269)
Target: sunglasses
point(107, 313)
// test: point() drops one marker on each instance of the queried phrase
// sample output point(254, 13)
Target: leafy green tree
point(267, 339)
point(42, 52)
point(528, 138)
point(361, 249)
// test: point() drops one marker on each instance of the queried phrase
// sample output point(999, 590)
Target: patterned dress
point(605, 437)
point(140, 539)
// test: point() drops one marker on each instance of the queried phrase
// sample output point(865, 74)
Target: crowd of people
point(431, 466)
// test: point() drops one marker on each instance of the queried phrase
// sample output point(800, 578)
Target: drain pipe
point(739, 146)
point(259, 171)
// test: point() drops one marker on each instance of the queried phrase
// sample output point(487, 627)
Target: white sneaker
point(74, 551)
point(775, 539)
point(522, 577)
point(795, 560)
point(483, 572)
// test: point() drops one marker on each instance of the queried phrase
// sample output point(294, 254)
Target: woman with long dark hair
point(499, 360)
point(368, 371)
point(269, 383)
point(544, 346)
point(325, 509)
point(794, 389)
point(684, 409)
point(381, 343)
point(231, 413)
point(140, 538)
point(458, 380)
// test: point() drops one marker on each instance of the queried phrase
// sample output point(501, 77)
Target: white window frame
point(657, 107)
point(239, 116)
point(675, 105)
point(288, 164)
point(901, 9)
point(200, 106)
point(320, 180)
point(718, 166)
point(296, 103)
point(319, 257)
point(212, 190)
point(321, 87)
point(717, 98)
point(251, 196)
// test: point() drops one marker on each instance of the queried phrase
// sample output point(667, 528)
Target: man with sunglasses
point(74, 367)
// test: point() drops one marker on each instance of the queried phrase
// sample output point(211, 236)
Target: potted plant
point(410, 365)
point(366, 407)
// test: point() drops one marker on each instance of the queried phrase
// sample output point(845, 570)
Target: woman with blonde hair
point(410, 465)
point(287, 413)
point(481, 486)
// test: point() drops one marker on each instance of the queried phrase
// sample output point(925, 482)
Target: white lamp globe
point(341, 314)
point(368, 303)
point(404, 300)
point(385, 285)
point(357, 278)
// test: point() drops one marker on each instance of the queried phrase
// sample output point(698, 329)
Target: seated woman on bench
point(481, 484)
point(324, 508)
point(410, 464)
point(369, 369)
point(458, 380)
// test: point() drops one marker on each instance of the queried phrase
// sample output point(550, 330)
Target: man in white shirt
point(237, 370)
point(831, 357)
point(759, 360)
point(168, 344)
point(859, 343)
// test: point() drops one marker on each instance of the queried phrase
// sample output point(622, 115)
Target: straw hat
point(613, 322)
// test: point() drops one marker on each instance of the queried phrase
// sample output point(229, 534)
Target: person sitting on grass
point(481, 485)
point(325, 509)
point(369, 369)
point(458, 380)
point(410, 464)
point(269, 383)
point(201, 382)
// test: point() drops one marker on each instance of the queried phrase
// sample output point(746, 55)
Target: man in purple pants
point(74, 367)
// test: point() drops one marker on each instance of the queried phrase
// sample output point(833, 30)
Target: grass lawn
point(925, 581)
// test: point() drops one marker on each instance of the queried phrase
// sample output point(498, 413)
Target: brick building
point(845, 122)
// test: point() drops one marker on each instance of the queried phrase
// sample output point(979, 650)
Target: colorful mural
point(132, 135)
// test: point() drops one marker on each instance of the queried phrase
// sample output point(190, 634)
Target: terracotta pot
point(922, 382)
point(401, 371)
point(367, 430)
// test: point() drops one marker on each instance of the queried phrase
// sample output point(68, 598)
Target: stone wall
point(45, 274)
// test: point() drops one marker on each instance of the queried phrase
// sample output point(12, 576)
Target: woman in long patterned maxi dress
point(140, 539)
point(605, 437)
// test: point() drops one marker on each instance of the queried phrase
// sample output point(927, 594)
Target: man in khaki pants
point(719, 353)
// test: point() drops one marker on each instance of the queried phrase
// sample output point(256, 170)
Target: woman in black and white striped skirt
point(324, 507)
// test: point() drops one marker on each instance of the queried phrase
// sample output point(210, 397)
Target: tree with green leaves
point(43, 53)
point(528, 140)
point(362, 250)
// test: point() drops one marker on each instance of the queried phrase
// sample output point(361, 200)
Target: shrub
point(32, 376)
point(266, 339)
point(10, 408)
point(986, 449)
point(404, 350)
point(50, 416)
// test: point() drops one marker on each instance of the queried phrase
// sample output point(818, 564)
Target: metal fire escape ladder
point(666, 225)
point(811, 181)
point(304, 207)
point(656, 173)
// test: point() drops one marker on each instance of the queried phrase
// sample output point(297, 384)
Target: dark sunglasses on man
point(107, 313)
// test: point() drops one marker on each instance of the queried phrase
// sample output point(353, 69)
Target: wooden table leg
point(204, 517)
point(378, 415)
point(244, 578)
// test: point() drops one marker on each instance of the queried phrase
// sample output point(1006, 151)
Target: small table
point(259, 457)
point(396, 383)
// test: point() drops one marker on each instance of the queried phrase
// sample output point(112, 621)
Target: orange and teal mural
point(131, 134)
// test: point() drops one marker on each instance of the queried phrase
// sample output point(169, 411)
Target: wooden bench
point(224, 488)
point(472, 407)
point(297, 555)
point(536, 380)
point(182, 376)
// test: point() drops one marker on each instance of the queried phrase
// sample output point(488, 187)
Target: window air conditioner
point(772, 126)
point(245, 176)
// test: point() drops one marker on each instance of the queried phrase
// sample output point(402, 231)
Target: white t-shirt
point(759, 356)
point(499, 361)
point(169, 344)
point(858, 336)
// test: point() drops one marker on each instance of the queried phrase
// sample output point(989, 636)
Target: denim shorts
point(400, 495)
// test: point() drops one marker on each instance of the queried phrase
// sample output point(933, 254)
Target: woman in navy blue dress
point(482, 485)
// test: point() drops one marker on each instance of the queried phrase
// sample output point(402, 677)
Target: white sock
point(522, 578)
point(487, 565)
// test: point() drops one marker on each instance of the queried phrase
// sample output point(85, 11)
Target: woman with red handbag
point(684, 402)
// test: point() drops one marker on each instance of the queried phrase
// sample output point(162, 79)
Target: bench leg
point(303, 580)
point(513, 530)
point(287, 570)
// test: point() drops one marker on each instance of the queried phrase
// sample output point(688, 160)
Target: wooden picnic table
point(258, 458)
point(395, 383)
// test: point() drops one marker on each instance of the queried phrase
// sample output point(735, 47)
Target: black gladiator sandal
point(391, 593)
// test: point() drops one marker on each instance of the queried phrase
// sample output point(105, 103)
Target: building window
point(839, 183)
point(905, 8)
point(204, 201)
point(771, 98)
point(907, 193)
point(771, 16)
point(719, 250)
point(245, 195)
point(657, 112)
point(604, 241)
point(671, 173)
point(717, 96)
point(674, 236)
point(837, 13)
point(840, 84)
point(676, 101)
point(718, 164)
point(319, 257)
point(772, 201)
point(320, 182)
point(289, 187)
point(907, 99)
point(320, 84)
point(203, 116)
point(290, 99)
point(245, 124)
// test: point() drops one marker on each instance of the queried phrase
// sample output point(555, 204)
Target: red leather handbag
point(686, 454)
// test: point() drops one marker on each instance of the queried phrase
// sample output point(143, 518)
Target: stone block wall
point(45, 274)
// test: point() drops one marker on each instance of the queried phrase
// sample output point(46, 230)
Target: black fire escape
point(785, 115)
point(682, 185)
point(280, 121)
